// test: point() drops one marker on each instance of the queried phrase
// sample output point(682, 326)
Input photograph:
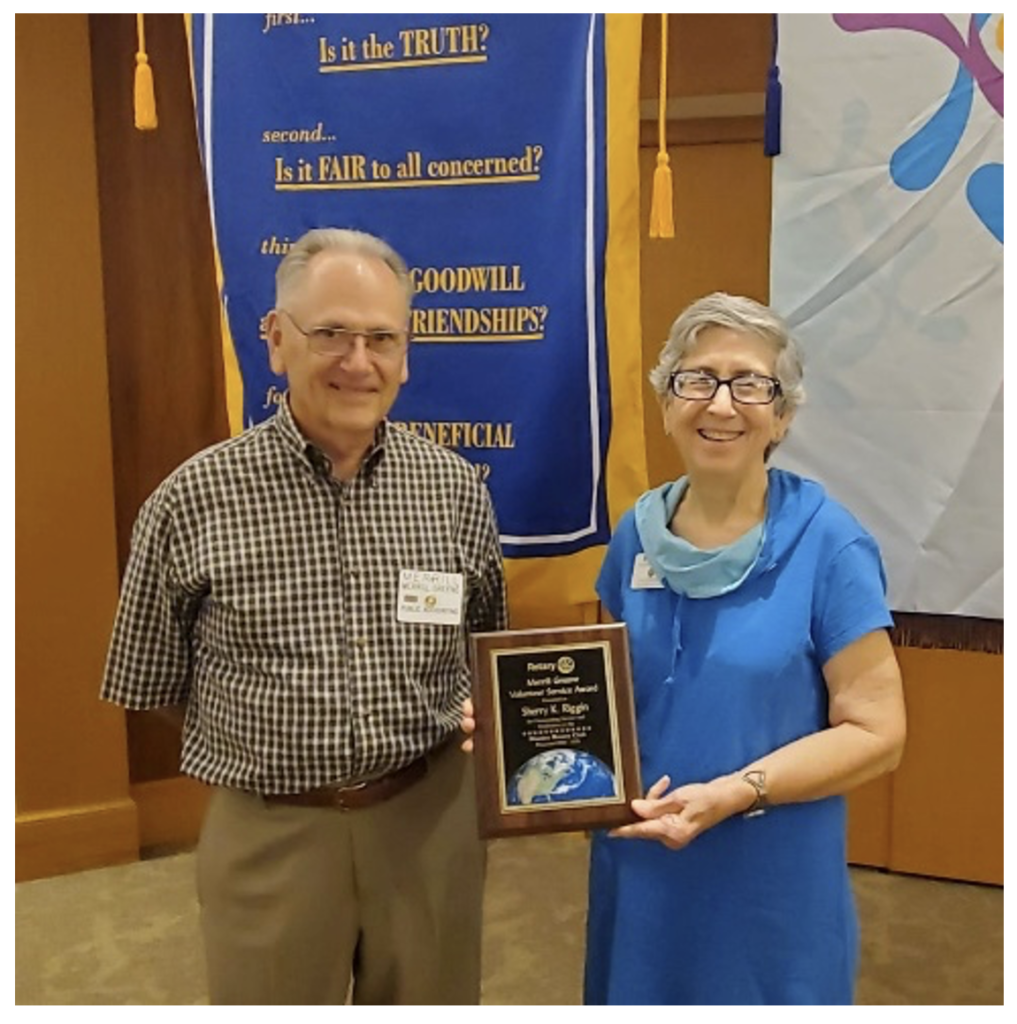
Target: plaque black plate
point(555, 745)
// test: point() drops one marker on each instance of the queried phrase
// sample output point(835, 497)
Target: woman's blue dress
point(755, 910)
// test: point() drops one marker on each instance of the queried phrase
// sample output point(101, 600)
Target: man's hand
point(468, 724)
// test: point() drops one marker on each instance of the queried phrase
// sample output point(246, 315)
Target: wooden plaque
point(555, 744)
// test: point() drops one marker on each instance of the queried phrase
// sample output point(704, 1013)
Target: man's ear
point(273, 338)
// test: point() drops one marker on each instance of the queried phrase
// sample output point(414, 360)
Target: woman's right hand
point(468, 724)
point(675, 818)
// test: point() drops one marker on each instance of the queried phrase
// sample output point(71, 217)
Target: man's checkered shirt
point(262, 592)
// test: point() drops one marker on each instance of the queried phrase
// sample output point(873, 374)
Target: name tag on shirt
point(435, 597)
point(643, 576)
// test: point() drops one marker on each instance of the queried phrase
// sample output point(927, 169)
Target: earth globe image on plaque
point(554, 776)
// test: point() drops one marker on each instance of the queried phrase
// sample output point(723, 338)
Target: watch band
point(757, 780)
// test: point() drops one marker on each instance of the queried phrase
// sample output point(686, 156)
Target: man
point(304, 592)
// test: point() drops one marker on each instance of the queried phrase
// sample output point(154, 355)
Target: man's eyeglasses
point(747, 388)
point(339, 341)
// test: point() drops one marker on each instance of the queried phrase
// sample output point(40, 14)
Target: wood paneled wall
point(162, 315)
point(166, 378)
point(72, 808)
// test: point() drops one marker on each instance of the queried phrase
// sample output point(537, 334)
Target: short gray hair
point(360, 243)
point(736, 313)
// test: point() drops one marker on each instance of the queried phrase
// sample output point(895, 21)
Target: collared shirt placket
point(355, 651)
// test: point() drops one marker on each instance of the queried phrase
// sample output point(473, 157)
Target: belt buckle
point(340, 795)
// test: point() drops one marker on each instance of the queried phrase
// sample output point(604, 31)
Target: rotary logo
point(566, 665)
point(430, 601)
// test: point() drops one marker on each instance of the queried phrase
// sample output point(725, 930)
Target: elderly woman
point(765, 688)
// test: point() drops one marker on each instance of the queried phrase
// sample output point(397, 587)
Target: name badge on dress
point(435, 597)
point(643, 576)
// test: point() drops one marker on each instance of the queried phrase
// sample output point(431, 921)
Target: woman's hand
point(676, 818)
point(468, 724)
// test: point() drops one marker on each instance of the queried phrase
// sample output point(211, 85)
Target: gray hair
point(360, 243)
point(736, 313)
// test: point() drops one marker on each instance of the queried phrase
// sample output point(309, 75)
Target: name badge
point(435, 597)
point(643, 576)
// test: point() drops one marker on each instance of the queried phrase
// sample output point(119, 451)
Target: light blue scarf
point(690, 570)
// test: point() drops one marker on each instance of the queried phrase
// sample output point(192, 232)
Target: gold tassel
point(661, 202)
point(145, 118)
point(661, 211)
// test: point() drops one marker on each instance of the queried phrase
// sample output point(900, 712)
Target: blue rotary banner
point(477, 145)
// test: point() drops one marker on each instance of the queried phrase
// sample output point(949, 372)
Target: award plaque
point(555, 743)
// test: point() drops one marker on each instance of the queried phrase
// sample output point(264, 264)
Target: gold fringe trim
point(947, 632)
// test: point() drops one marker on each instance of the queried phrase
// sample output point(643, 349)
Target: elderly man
point(304, 593)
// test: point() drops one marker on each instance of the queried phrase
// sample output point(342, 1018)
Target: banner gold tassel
point(145, 118)
point(661, 202)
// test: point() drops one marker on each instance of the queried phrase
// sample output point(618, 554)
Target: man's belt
point(361, 794)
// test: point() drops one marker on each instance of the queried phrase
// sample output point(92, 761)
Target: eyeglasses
point(339, 341)
point(747, 388)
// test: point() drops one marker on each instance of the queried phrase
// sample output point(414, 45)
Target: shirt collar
point(313, 455)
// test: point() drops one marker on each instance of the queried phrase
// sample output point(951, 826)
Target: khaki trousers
point(313, 905)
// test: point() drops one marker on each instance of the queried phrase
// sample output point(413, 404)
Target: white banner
point(887, 260)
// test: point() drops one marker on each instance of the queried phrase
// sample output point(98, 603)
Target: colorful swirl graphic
point(919, 161)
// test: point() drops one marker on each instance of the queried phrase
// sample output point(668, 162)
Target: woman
point(765, 687)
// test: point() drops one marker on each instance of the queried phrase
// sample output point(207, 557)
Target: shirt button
point(360, 641)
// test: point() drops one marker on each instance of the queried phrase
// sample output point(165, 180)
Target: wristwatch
point(757, 780)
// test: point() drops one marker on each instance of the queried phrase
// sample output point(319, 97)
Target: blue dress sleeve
point(850, 598)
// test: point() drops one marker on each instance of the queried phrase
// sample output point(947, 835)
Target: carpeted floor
point(129, 935)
